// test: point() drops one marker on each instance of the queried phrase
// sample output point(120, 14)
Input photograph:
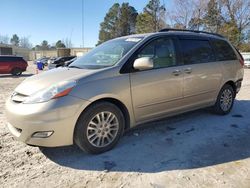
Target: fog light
point(42, 134)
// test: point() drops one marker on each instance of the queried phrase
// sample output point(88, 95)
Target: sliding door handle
point(188, 70)
point(176, 72)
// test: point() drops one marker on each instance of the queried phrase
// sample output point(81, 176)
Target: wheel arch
point(116, 102)
point(231, 83)
point(15, 68)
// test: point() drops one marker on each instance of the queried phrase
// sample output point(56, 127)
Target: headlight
point(59, 90)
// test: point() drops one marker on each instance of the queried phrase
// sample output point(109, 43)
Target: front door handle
point(188, 70)
point(176, 72)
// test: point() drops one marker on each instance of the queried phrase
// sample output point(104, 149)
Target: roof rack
point(187, 30)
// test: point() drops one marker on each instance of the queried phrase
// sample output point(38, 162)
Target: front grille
point(18, 97)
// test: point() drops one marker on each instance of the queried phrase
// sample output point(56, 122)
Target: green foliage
point(195, 23)
point(109, 25)
point(230, 18)
point(15, 40)
point(60, 44)
point(45, 45)
point(231, 32)
point(213, 18)
point(244, 47)
point(119, 21)
point(179, 26)
point(152, 18)
point(144, 23)
point(127, 20)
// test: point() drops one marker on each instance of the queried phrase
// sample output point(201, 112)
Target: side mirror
point(143, 63)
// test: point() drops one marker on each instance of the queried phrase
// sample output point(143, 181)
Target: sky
point(54, 20)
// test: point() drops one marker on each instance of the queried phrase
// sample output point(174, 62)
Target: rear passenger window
point(5, 59)
point(10, 59)
point(224, 51)
point(196, 51)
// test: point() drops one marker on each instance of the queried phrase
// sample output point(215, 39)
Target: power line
point(83, 23)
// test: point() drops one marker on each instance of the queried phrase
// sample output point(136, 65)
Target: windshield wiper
point(74, 67)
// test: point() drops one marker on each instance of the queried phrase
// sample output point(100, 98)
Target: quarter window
point(162, 52)
point(224, 51)
point(196, 51)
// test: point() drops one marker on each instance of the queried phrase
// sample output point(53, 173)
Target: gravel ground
point(196, 149)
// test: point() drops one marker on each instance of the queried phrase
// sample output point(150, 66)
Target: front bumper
point(58, 116)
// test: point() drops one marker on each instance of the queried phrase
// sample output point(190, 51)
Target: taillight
point(242, 62)
point(25, 62)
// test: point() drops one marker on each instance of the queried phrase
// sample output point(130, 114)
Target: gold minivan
point(122, 83)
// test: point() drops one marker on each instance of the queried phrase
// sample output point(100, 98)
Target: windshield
point(107, 54)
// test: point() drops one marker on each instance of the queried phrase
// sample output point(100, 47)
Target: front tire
point(225, 100)
point(16, 72)
point(99, 128)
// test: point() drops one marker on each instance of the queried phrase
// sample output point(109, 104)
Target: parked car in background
point(51, 60)
point(122, 83)
point(247, 62)
point(43, 60)
point(12, 65)
point(59, 62)
point(246, 56)
point(67, 63)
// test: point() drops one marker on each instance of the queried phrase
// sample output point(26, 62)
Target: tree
point(127, 20)
point(238, 11)
point(108, 28)
point(188, 13)
point(119, 21)
point(195, 23)
point(144, 23)
point(60, 44)
point(44, 45)
point(213, 19)
point(67, 42)
point(231, 32)
point(179, 26)
point(237, 18)
point(15, 40)
point(25, 43)
point(152, 19)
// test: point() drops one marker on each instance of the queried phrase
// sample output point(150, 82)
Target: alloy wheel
point(226, 99)
point(102, 129)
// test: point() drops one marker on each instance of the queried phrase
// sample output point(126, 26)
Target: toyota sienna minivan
point(122, 83)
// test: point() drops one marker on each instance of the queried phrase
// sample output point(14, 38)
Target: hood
point(46, 79)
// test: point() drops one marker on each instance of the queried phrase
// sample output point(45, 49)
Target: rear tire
point(225, 100)
point(99, 128)
point(16, 72)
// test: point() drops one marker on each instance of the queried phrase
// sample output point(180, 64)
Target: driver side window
point(162, 52)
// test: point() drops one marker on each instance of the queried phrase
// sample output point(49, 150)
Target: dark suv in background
point(12, 65)
point(60, 61)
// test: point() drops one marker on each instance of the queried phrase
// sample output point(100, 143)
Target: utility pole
point(83, 23)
